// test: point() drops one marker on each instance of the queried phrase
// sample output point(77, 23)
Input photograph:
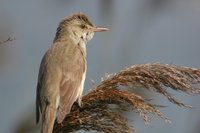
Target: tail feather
point(48, 120)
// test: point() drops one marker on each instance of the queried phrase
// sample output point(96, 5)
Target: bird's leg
point(61, 124)
point(80, 102)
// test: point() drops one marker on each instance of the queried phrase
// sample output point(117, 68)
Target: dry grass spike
point(96, 114)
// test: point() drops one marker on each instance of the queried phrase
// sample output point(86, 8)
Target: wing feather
point(70, 84)
point(38, 104)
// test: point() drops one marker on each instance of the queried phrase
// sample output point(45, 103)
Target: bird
point(62, 70)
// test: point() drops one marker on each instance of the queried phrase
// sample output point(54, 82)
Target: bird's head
point(78, 26)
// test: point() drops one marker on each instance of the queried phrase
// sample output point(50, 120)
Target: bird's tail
point(48, 119)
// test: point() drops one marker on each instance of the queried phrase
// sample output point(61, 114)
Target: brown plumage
point(62, 70)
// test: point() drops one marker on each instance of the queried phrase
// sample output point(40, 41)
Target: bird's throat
point(82, 47)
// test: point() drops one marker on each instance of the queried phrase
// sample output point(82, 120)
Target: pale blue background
point(142, 31)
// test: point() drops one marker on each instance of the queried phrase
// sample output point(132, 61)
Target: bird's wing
point(40, 75)
point(37, 104)
point(70, 85)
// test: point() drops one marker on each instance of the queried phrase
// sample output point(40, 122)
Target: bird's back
point(62, 66)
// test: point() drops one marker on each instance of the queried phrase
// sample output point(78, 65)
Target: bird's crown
point(76, 17)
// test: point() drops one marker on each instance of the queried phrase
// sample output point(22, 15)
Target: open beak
point(98, 29)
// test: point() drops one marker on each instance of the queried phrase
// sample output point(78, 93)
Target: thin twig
point(9, 39)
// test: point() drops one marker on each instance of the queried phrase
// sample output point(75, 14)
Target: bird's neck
point(68, 36)
point(64, 34)
point(82, 47)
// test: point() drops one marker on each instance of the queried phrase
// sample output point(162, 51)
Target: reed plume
point(97, 112)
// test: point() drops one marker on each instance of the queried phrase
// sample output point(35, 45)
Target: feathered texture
point(97, 112)
point(68, 21)
point(77, 16)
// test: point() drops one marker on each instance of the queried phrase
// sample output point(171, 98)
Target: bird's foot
point(80, 121)
point(80, 102)
point(79, 105)
point(61, 124)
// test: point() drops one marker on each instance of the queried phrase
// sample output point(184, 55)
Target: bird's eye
point(83, 26)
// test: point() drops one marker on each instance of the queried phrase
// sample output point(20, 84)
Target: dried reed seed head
point(96, 114)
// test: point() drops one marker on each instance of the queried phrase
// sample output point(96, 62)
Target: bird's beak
point(98, 29)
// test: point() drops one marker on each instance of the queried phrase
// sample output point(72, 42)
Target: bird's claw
point(80, 103)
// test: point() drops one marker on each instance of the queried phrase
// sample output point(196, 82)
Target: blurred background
point(142, 31)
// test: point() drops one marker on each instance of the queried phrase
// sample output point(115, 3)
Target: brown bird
point(63, 70)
